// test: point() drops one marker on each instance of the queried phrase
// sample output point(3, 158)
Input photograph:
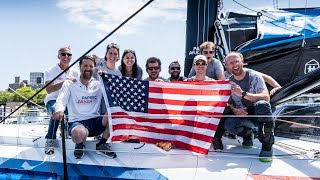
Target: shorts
point(94, 126)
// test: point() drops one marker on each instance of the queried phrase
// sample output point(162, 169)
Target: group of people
point(78, 95)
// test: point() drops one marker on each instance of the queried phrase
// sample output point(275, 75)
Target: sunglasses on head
point(175, 68)
point(200, 63)
point(65, 54)
point(207, 52)
point(153, 68)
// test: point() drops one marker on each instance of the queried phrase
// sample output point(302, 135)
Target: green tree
point(6, 96)
point(26, 92)
point(39, 97)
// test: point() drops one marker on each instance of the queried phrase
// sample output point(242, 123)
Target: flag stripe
point(209, 123)
point(188, 103)
point(188, 98)
point(186, 108)
point(210, 129)
point(195, 112)
point(213, 85)
point(202, 92)
point(148, 129)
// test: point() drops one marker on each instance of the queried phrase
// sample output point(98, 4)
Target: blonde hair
point(207, 44)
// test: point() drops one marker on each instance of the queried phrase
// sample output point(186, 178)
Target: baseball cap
point(200, 57)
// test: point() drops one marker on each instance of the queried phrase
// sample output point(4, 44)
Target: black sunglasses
point(65, 54)
point(207, 52)
point(202, 63)
point(153, 68)
point(175, 68)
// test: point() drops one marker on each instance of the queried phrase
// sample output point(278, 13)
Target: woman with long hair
point(129, 66)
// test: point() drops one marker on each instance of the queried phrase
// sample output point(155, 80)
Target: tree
point(39, 97)
point(6, 96)
point(26, 92)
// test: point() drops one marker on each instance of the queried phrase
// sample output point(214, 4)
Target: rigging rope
point(93, 47)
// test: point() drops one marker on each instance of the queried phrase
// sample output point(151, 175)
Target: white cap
point(200, 57)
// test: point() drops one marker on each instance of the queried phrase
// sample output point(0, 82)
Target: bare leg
point(79, 134)
point(105, 123)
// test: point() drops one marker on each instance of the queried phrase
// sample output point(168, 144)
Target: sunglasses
point(202, 63)
point(207, 52)
point(153, 68)
point(65, 54)
point(175, 68)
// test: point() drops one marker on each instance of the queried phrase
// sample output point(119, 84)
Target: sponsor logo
point(194, 51)
point(87, 99)
point(310, 66)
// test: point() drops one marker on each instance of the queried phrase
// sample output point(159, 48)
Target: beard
point(87, 75)
point(175, 76)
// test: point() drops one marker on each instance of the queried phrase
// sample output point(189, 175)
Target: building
point(17, 84)
point(36, 80)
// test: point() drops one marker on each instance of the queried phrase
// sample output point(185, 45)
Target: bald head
point(234, 63)
point(234, 55)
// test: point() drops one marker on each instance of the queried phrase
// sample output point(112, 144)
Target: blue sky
point(32, 31)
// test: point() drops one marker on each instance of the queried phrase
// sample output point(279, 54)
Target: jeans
point(236, 125)
point(53, 124)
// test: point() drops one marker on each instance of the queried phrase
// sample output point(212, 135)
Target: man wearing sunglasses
point(64, 56)
point(215, 69)
point(153, 68)
point(174, 71)
point(200, 64)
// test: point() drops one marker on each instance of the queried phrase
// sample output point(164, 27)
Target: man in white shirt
point(83, 98)
point(64, 56)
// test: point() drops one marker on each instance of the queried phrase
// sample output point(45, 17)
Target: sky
point(32, 31)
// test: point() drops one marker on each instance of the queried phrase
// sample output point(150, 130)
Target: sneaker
point(48, 149)
point(104, 149)
point(78, 151)
point(265, 156)
point(217, 144)
point(247, 144)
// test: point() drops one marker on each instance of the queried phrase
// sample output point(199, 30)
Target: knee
point(263, 108)
point(79, 132)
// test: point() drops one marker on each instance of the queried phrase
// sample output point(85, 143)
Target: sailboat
point(22, 147)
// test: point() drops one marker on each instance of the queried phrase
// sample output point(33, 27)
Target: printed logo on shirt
point(87, 99)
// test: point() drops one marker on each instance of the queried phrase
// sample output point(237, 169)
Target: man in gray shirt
point(215, 69)
point(249, 96)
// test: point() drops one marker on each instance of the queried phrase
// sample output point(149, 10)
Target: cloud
point(104, 16)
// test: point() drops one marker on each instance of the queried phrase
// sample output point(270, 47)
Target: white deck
point(26, 142)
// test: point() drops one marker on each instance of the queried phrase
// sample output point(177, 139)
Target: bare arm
point(53, 87)
point(262, 95)
point(268, 79)
point(272, 82)
point(221, 76)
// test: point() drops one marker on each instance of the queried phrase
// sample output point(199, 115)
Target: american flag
point(185, 113)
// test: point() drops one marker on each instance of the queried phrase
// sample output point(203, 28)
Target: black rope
point(124, 22)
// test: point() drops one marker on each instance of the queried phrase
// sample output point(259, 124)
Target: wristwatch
point(244, 93)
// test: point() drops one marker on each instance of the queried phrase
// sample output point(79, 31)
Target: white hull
point(22, 143)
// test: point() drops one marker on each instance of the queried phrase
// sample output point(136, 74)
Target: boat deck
point(22, 148)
